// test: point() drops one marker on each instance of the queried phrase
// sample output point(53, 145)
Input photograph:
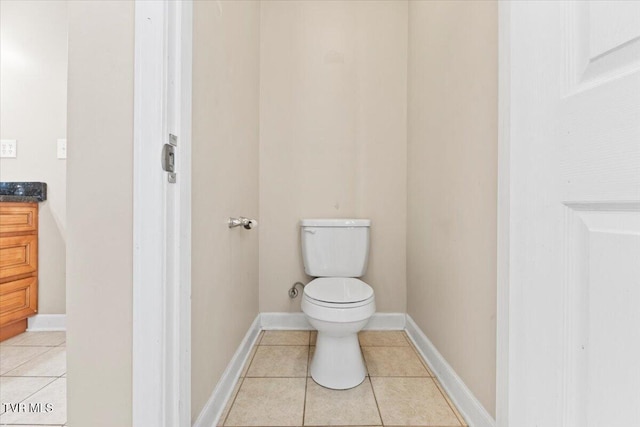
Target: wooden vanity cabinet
point(18, 266)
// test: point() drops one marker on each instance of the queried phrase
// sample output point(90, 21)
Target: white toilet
point(337, 304)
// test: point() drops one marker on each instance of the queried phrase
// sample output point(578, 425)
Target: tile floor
point(33, 370)
point(275, 388)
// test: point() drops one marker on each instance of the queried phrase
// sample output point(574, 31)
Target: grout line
point(249, 362)
point(233, 401)
point(423, 361)
point(242, 378)
point(26, 361)
point(450, 403)
point(375, 398)
point(304, 403)
point(239, 385)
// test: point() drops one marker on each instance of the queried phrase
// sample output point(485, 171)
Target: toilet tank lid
point(347, 222)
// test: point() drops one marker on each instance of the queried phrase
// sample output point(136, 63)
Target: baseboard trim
point(47, 322)
point(284, 321)
point(387, 322)
point(471, 409)
point(215, 405)
point(288, 321)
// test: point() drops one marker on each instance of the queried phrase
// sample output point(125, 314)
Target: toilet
point(337, 303)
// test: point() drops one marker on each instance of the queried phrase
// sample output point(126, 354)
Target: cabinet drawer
point(18, 299)
point(18, 217)
point(18, 255)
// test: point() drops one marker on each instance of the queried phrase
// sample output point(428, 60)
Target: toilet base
point(337, 362)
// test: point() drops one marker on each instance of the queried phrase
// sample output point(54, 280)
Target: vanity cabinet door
point(18, 299)
point(18, 218)
point(18, 256)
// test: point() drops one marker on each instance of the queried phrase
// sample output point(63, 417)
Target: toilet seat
point(339, 292)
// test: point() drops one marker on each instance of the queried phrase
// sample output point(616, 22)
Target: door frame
point(504, 220)
point(161, 359)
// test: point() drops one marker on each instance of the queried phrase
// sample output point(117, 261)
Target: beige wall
point(452, 184)
point(33, 111)
point(100, 213)
point(333, 79)
point(225, 184)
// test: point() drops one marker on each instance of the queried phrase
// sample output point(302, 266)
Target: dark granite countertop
point(23, 192)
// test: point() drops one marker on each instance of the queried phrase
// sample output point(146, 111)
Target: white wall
point(452, 184)
point(100, 213)
point(33, 111)
point(225, 184)
point(333, 105)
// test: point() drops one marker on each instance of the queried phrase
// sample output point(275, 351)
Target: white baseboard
point(286, 321)
point(47, 322)
point(471, 409)
point(215, 405)
point(387, 322)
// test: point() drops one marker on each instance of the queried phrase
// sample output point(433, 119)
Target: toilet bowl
point(338, 308)
point(336, 303)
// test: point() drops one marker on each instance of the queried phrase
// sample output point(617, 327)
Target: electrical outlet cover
point(62, 148)
point(8, 148)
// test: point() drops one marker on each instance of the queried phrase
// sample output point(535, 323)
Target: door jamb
point(503, 222)
point(161, 377)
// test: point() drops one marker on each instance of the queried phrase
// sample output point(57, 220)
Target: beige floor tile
point(313, 338)
point(356, 406)
point(16, 389)
point(393, 362)
point(279, 361)
point(54, 394)
point(12, 357)
point(53, 363)
point(42, 339)
point(412, 402)
point(285, 338)
point(383, 338)
point(453, 407)
point(232, 398)
point(268, 402)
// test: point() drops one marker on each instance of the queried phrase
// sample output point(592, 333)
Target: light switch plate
point(62, 148)
point(8, 148)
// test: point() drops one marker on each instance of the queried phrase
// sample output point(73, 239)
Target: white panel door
point(574, 297)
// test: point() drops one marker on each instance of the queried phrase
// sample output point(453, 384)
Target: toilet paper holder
point(247, 223)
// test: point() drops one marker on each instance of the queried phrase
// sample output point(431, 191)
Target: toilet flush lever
point(247, 223)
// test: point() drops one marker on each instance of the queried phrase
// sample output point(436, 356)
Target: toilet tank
point(335, 247)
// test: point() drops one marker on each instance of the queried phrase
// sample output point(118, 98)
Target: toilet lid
point(338, 290)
